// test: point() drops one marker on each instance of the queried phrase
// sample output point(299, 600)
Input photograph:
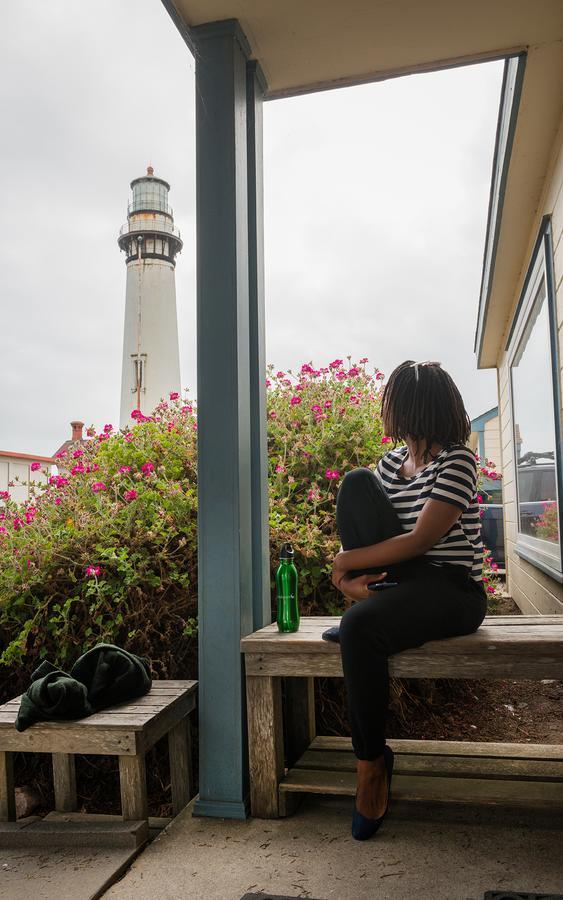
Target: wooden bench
point(126, 731)
point(504, 647)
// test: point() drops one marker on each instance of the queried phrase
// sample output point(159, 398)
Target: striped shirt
point(451, 478)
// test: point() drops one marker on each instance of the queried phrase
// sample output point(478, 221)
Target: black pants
point(429, 603)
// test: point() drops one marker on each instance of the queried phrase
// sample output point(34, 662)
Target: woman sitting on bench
point(412, 554)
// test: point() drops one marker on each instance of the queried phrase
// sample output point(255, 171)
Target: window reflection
point(534, 426)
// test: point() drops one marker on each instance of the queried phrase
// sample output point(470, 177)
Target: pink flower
point(187, 409)
point(4, 495)
point(332, 474)
point(336, 363)
point(3, 530)
point(364, 360)
point(60, 455)
point(136, 414)
point(479, 498)
point(98, 486)
point(316, 408)
point(18, 524)
point(130, 495)
point(490, 590)
point(380, 376)
point(78, 453)
point(128, 437)
point(314, 495)
point(295, 401)
point(147, 468)
point(273, 415)
point(280, 374)
point(173, 395)
point(385, 439)
point(353, 371)
point(327, 404)
point(93, 570)
point(268, 383)
point(78, 469)
point(58, 501)
point(280, 468)
point(125, 469)
point(35, 466)
point(306, 369)
point(340, 375)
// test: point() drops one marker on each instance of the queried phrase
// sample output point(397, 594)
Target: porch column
point(261, 599)
point(225, 487)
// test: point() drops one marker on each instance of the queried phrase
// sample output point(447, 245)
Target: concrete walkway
point(422, 852)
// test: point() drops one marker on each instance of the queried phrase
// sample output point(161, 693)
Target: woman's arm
point(435, 520)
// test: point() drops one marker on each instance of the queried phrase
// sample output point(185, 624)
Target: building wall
point(492, 442)
point(12, 467)
point(533, 591)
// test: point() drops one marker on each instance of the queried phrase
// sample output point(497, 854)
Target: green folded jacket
point(102, 677)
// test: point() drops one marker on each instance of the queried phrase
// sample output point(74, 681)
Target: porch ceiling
point(307, 45)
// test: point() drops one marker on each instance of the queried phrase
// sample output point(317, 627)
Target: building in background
point(150, 241)
point(485, 437)
point(16, 472)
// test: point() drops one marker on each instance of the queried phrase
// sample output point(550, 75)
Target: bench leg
point(265, 743)
point(133, 785)
point(299, 714)
point(179, 750)
point(7, 795)
point(64, 781)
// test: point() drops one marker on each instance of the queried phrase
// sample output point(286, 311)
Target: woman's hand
point(339, 569)
point(357, 588)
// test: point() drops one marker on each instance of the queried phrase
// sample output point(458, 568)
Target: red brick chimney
point(76, 431)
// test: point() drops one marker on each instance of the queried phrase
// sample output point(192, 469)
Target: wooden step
point(439, 771)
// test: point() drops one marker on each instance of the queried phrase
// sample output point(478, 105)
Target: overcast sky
point(375, 203)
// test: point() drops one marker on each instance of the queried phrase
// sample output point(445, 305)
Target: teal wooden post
point(224, 408)
point(262, 604)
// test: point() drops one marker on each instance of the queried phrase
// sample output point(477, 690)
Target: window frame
point(537, 551)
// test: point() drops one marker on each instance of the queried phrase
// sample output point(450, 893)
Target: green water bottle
point(286, 585)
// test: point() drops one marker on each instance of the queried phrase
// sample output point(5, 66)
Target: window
point(534, 384)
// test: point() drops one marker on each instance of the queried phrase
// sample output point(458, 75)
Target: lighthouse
point(151, 356)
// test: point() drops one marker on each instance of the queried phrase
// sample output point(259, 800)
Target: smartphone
point(381, 585)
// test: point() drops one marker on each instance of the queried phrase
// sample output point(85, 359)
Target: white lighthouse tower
point(151, 356)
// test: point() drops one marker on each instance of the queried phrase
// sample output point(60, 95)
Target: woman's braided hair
point(421, 401)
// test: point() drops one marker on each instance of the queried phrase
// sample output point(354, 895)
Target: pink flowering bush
point(107, 550)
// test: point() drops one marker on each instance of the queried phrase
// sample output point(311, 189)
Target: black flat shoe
point(362, 827)
point(332, 634)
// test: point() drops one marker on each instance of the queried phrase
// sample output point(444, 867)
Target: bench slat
point(323, 742)
point(441, 764)
point(531, 662)
point(433, 789)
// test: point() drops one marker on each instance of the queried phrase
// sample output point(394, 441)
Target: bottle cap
point(286, 551)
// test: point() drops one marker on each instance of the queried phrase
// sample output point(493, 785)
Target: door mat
point(520, 895)
point(273, 897)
